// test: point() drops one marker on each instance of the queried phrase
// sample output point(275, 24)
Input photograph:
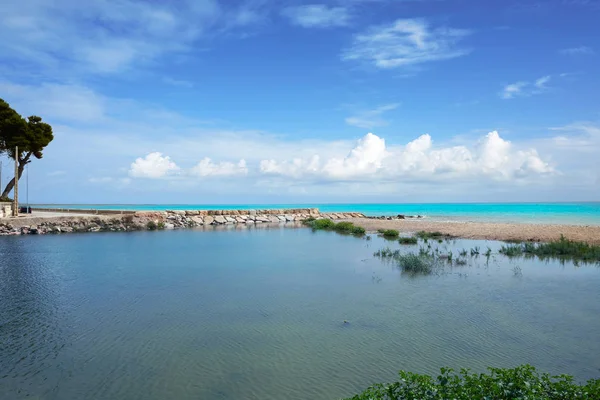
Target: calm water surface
point(259, 314)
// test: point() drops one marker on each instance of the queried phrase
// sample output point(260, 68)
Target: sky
point(264, 101)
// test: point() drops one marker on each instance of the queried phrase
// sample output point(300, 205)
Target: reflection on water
point(259, 314)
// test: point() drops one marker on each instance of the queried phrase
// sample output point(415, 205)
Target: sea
point(576, 213)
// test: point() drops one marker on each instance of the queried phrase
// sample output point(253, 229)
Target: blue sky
point(289, 101)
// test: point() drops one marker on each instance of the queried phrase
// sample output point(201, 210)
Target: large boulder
point(219, 219)
point(209, 219)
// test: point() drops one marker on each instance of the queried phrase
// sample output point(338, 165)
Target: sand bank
point(486, 230)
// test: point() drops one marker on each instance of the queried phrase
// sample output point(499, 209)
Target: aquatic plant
point(358, 230)
point(562, 248)
point(391, 233)
point(488, 252)
point(432, 235)
point(517, 271)
point(343, 227)
point(460, 261)
point(318, 224)
point(463, 253)
point(523, 382)
point(408, 240)
point(512, 250)
point(416, 264)
point(475, 251)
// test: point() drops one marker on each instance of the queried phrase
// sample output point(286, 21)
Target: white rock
point(209, 220)
point(220, 219)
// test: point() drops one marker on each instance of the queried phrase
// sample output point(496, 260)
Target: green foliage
point(319, 224)
point(408, 240)
point(151, 226)
point(161, 226)
point(31, 135)
point(358, 231)
point(521, 383)
point(432, 235)
point(341, 227)
point(5, 199)
point(344, 227)
point(562, 248)
point(416, 264)
point(391, 233)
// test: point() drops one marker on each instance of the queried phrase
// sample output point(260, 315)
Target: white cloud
point(207, 168)
point(541, 82)
point(524, 88)
point(154, 165)
point(573, 51)
point(61, 102)
point(370, 159)
point(406, 42)
point(317, 16)
point(372, 118)
point(70, 37)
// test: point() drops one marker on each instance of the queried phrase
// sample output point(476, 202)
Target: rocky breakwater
point(172, 219)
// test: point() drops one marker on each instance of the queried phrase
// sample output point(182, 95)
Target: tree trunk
point(10, 186)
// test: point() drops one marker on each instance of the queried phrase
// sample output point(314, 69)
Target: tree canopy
point(31, 135)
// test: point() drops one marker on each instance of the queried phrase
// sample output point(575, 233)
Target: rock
point(209, 220)
point(273, 219)
point(192, 213)
point(281, 218)
point(219, 219)
point(290, 218)
point(400, 216)
point(252, 212)
point(198, 220)
point(179, 212)
point(169, 226)
point(229, 219)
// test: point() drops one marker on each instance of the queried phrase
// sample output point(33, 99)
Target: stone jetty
point(159, 220)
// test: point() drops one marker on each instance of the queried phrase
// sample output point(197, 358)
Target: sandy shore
point(486, 230)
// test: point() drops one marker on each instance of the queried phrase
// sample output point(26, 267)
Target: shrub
point(321, 224)
point(344, 227)
point(391, 233)
point(408, 240)
point(161, 226)
point(358, 231)
point(151, 226)
point(522, 382)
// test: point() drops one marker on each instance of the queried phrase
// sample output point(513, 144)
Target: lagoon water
point(258, 313)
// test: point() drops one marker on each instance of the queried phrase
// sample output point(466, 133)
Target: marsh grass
point(347, 228)
point(408, 240)
point(432, 235)
point(390, 233)
point(563, 249)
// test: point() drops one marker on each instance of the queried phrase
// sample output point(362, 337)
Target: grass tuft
point(562, 248)
point(391, 233)
point(408, 240)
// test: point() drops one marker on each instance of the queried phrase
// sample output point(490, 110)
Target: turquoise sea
point(583, 213)
point(258, 313)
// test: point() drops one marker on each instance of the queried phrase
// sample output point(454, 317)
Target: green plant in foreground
point(523, 382)
point(408, 240)
point(161, 226)
point(416, 264)
point(391, 233)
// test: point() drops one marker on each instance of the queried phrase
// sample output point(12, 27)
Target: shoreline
point(55, 222)
point(486, 230)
